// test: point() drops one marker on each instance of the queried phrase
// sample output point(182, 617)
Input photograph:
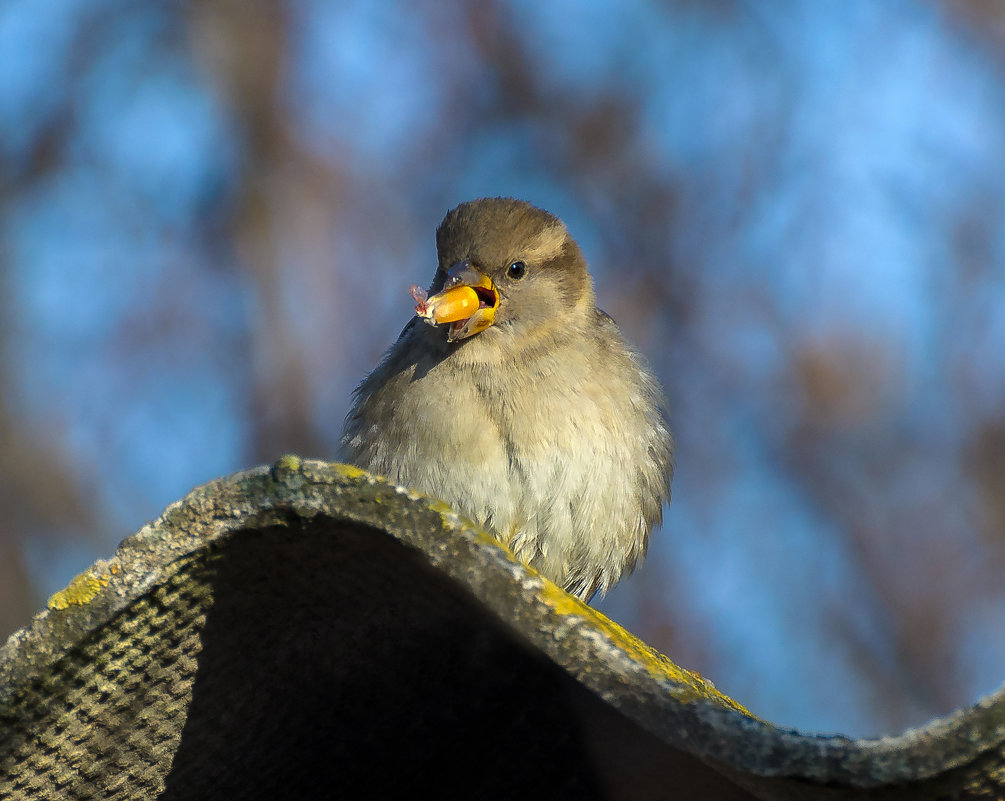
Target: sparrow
point(512, 397)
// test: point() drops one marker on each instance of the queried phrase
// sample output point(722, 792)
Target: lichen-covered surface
point(308, 629)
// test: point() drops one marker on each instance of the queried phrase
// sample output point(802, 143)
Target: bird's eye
point(516, 270)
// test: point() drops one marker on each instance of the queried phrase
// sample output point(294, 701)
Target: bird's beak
point(468, 302)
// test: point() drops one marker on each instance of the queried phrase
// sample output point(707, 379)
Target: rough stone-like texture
point(309, 631)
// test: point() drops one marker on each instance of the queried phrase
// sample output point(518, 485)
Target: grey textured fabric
point(309, 631)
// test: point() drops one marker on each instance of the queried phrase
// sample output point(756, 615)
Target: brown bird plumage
point(533, 415)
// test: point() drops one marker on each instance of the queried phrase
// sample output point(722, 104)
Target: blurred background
point(210, 214)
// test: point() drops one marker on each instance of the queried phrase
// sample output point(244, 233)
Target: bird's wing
point(408, 326)
point(604, 318)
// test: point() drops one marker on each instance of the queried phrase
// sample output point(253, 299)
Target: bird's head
point(504, 264)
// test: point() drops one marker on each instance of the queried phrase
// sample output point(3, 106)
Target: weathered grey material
point(308, 631)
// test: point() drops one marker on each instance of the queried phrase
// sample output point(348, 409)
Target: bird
point(511, 396)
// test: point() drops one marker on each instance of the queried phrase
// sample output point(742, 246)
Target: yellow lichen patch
point(79, 591)
point(693, 686)
point(442, 508)
point(451, 519)
point(290, 462)
point(352, 472)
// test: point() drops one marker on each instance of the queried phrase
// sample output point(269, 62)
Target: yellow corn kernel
point(454, 304)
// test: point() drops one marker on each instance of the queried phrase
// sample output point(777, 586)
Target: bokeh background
point(210, 214)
